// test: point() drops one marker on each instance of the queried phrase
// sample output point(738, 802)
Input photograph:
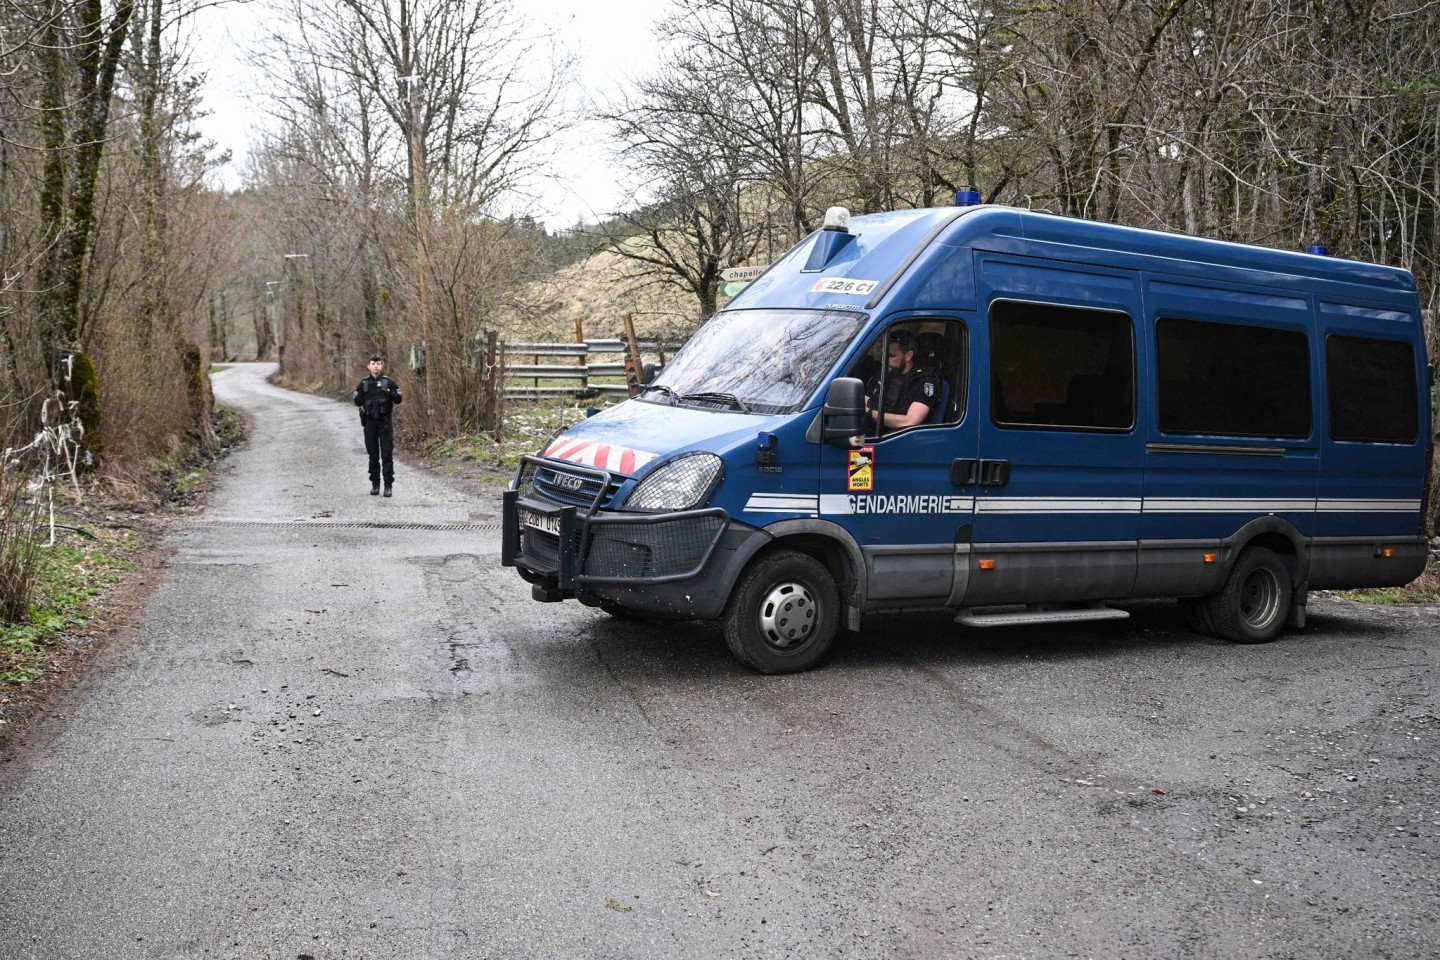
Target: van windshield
point(756, 361)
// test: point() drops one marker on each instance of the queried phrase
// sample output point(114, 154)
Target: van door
point(1233, 439)
point(1373, 449)
point(1058, 492)
point(894, 492)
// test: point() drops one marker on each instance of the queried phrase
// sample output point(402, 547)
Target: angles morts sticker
point(862, 469)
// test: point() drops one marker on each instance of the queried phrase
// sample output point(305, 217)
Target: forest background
point(382, 204)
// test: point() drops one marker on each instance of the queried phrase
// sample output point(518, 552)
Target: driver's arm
point(910, 418)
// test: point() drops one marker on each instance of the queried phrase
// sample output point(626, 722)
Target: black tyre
point(783, 613)
point(1254, 603)
point(1194, 611)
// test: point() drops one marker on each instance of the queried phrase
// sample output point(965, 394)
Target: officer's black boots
point(374, 489)
point(387, 489)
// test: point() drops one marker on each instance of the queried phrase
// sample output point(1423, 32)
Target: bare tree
point(691, 177)
point(100, 84)
point(399, 127)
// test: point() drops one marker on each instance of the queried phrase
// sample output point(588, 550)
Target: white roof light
point(837, 218)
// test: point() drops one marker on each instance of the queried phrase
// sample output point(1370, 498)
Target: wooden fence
point(617, 375)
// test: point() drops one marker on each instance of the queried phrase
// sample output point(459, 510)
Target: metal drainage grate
point(318, 524)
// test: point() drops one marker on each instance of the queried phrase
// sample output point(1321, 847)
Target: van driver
point(910, 393)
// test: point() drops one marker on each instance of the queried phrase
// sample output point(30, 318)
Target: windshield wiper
point(729, 398)
point(660, 386)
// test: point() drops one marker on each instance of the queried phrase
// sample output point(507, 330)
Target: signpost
point(735, 279)
point(742, 273)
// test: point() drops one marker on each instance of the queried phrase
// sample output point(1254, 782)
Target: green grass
point(528, 426)
point(229, 427)
point(68, 580)
point(189, 483)
point(175, 474)
point(1424, 589)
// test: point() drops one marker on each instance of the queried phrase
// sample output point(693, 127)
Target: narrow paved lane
point(345, 731)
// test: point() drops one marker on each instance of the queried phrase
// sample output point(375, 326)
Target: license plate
point(540, 521)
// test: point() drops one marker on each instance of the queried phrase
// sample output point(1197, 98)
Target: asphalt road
point(345, 731)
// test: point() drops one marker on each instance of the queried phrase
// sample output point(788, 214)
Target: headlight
point(681, 484)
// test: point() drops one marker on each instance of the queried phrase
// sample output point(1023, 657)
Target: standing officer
point(376, 396)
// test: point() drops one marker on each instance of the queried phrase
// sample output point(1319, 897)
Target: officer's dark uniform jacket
point(903, 389)
point(376, 397)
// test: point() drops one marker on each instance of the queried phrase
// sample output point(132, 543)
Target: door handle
point(964, 472)
point(989, 473)
point(994, 473)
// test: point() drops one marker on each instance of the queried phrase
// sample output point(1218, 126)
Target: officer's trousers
point(380, 446)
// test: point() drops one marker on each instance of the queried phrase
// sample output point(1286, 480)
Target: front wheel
point(783, 613)
point(1253, 605)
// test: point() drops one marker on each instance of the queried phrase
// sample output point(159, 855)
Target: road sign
point(742, 273)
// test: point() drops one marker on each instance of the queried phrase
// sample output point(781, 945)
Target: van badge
point(862, 469)
point(566, 481)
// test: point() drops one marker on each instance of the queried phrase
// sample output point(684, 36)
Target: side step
point(1012, 616)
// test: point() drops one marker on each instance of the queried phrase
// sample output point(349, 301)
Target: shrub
point(19, 549)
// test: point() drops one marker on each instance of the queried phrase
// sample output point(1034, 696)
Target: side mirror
point(649, 372)
point(843, 416)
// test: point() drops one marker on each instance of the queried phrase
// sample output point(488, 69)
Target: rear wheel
point(1255, 601)
point(783, 613)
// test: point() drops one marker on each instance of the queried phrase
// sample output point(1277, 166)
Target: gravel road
point(343, 730)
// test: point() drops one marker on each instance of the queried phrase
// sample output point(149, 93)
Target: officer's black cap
point(376, 356)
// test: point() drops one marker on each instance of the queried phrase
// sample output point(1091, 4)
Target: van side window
point(916, 361)
point(1232, 379)
point(1371, 389)
point(1061, 367)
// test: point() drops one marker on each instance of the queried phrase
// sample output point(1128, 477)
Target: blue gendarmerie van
point(1013, 415)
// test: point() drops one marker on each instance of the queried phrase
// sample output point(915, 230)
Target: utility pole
point(419, 191)
point(277, 335)
point(297, 300)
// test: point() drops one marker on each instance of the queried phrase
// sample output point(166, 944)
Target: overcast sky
point(612, 38)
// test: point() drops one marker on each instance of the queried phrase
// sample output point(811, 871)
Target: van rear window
point(1061, 367)
point(1232, 379)
point(1372, 389)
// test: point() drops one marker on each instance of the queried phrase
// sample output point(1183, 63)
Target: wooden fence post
point(493, 386)
point(584, 357)
point(632, 356)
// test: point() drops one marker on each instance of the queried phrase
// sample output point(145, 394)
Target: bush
point(19, 549)
point(68, 580)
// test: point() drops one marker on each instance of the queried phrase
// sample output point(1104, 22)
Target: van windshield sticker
point(856, 288)
point(601, 456)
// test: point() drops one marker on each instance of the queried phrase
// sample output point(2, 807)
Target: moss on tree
point(85, 388)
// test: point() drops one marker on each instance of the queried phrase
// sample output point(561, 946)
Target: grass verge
point(1424, 589)
point(528, 427)
point(92, 579)
point(70, 578)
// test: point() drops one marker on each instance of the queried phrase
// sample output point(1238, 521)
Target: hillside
point(601, 290)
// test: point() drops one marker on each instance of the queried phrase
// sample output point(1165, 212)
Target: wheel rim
point(788, 616)
point(1260, 599)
